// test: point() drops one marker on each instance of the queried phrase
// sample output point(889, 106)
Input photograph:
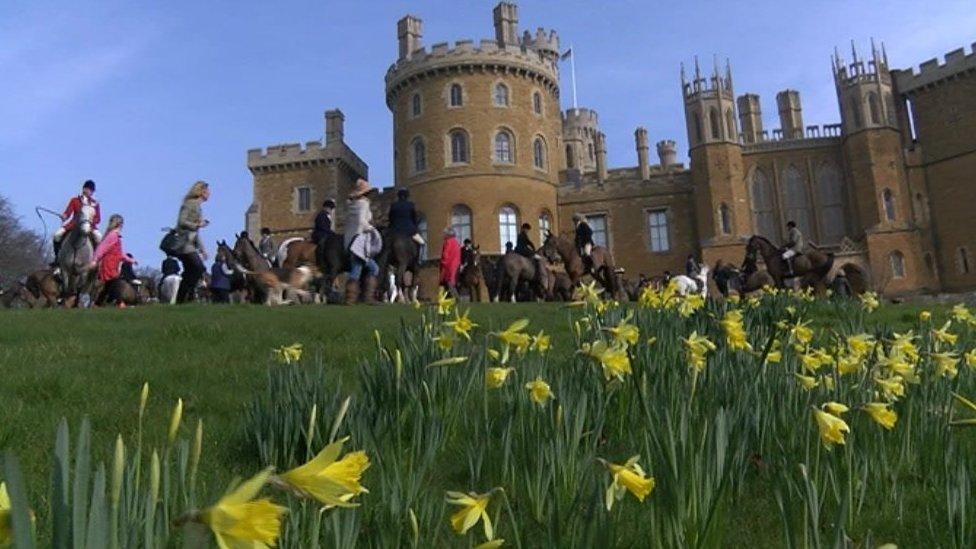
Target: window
point(416, 106)
point(459, 147)
point(539, 153)
point(545, 225)
point(507, 226)
point(725, 218)
point(304, 199)
point(764, 216)
point(830, 195)
point(698, 128)
point(598, 223)
point(570, 158)
point(422, 229)
point(457, 95)
point(537, 103)
point(419, 156)
point(888, 198)
point(855, 112)
point(501, 95)
point(963, 254)
point(591, 152)
point(796, 200)
point(730, 125)
point(897, 264)
point(874, 108)
point(713, 121)
point(503, 148)
point(657, 229)
point(461, 221)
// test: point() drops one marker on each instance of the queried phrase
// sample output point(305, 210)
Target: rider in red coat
point(450, 261)
point(83, 203)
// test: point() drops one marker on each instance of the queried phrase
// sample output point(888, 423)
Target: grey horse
point(77, 252)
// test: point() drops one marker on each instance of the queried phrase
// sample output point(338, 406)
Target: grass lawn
point(56, 364)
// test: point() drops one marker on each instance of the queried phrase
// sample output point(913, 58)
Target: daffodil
point(613, 358)
point(961, 313)
point(775, 354)
point(587, 294)
point(697, 348)
point(925, 316)
point(904, 344)
point(462, 325)
point(540, 342)
point(689, 304)
point(288, 354)
point(175, 419)
point(625, 333)
point(832, 428)
point(539, 391)
point(445, 303)
point(6, 534)
point(848, 364)
point(860, 345)
point(445, 341)
point(808, 383)
point(492, 544)
point(869, 300)
point(238, 520)
point(735, 332)
point(943, 335)
point(802, 333)
point(327, 478)
point(474, 507)
point(946, 364)
point(496, 377)
point(971, 359)
point(881, 413)
point(628, 477)
point(897, 364)
point(835, 408)
point(811, 362)
point(892, 387)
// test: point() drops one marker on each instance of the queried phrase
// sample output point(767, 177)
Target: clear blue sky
point(147, 97)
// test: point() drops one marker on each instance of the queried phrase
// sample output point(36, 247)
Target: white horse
point(687, 285)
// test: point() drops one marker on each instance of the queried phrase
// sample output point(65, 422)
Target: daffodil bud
point(143, 399)
point(197, 446)
point(154, 477)
point(414, 527)
point(174, 422)
point(118, 469)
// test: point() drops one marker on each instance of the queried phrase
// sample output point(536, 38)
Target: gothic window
point(419, 155)
point(714, 123)
point(416, 105)
point(590, 148)
point(796, 200)
point(545, 225)
point(503, 148)
point(501, 95)
point(507, 226)
point(537, 103)
point(539, 153)
point(570, 158)
point(874, 107)
point(888, 198)
point(897, 264)
point(459, 147)
point(830, 195)
point(457, 95)
point(763, 206)
point(698, 128)
point(422, 230)
point(461, 221)
point(855, 112)
point(963, 263)
point(730, 125)
point(725, 218)
point(657, 230)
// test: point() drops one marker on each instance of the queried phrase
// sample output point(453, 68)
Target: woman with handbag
point(191, 252)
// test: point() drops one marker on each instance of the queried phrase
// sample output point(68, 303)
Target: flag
point(567, 54)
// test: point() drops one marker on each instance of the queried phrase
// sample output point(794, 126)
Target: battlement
point(701, 87)
point(932, 73)
point(293, 155)
point(541, 42)
point(580, 117)
point(812, 136)
point(627, 181)
point(861, 70)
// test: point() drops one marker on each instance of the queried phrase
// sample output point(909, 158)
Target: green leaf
point(20, 519)
point(60, 479)
point(81, 483)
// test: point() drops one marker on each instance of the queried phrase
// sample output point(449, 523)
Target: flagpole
point(572, 65)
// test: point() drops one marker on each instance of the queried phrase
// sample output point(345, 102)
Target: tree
point(22, 250)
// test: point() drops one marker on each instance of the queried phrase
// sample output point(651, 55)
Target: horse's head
point(84, 217)
point(549, 248)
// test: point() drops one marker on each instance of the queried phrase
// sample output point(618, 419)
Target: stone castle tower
point(477, 130)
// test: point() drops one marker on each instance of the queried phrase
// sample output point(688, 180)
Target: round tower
point(580, 130)
point(667, 153)
point(477, 131)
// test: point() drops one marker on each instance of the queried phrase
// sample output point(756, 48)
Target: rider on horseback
point(584, 239)
point(523, 244)
point(267, 246)
point(323, 229)
point(794, 246)
point(84, 203)
point(403, 218)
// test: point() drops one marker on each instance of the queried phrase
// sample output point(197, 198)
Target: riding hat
point(89, 185)
point(362, 188)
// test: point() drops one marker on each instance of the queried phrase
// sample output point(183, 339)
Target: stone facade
point(481, 142)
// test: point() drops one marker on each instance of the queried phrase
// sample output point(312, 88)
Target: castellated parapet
point(580, 130)
point(931, 73)
point(290, 156)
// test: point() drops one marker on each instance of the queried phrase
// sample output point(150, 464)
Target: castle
point(483, 145)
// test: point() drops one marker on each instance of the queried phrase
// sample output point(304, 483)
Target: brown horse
point(812, 266)
point(601, 267)
point(472, 276)
point(296, 252)
point(729, 277)
point(514, 269)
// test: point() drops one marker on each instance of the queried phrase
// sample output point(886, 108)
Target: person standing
point(220, 274)
point(86, 204)
point(794, 245)
point(450, 262)
point(192, 253)
point(363, 242)
point(109, 258)
point(267, 246)
point(403, 217)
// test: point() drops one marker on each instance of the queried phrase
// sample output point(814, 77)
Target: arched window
point(725, 218)
point(698, 128)
point(570, 158)
point(713, 122)
point(422, 229)
point(419, 155)
point(590, 148)
point(764, 216)
point(503, 148)
point(539, 153)
point(416, 105)
point(545, 225)
point(730, 126)
point(963, 256)
point(461, 221)
point(501, 95)
point(897, 264)
point(796, 200)
point(537, 103)
point(830, 195)
point(457, 95)
point(507, 226)
point(855, 112)
point(888, 198)
point(459, 147)
point(874, 107)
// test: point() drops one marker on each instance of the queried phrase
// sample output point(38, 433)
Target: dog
point(275, 283)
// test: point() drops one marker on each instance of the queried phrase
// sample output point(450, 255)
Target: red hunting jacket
point(74, 207)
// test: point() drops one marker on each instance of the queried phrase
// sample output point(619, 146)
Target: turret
point(580, 128)
point(409, 33)
point(667, 153)
point(506, 24)
point(750, 118)
point(640, 137)
point(864, 90)
point(709, 107)
point(790, 114)
point(601, 158)
point(334, 131)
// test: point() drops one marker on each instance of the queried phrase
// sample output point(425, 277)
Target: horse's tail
point(827, 266)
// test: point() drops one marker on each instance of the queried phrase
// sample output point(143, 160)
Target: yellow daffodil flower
point(860, 345)
point(925, 316)
point(330, 480)
point(238, 520)
point(893, 387)
point(495, 377)
point(493, 544)
point(848, 364)
point(697, 348)
point(514, 335)
point(613, 358)
point(802, 333)
point(288, 354)
point(445, 341)
point(898, 365)
point(6, 533)
point(971, 359)
point(540, 342)
point(808, 383)
point(943, 335)
point(445, 303)
point(539, 391)
point(629, 477)
point(961, 313)
point(835, 408)
point(625, 333)
point(462, 325)
point(869, 300)
point(689, 304)
point(946, 364)
point(828, 382)
point(587, 294)
point(904, 344)
point(735, 332)
point(775, 355)
point(832, 428)
point(882, 414)
point(811, 362)
point(474, 507)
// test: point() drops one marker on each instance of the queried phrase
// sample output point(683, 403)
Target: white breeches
point(789, 254)
point(59, 234)
point(587, 249)
point(418, 239)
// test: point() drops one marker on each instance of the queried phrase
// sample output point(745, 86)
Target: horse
point(686, 285)
point(77, 251)
point(513, 269)
point(296, 251)
point(401, 254)
point(601, 266)
point(472, 275)
point(743, 281)
point(812, 266)
point(562, 287)
point(271, 284)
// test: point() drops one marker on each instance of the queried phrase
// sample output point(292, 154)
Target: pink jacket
point(109, 256)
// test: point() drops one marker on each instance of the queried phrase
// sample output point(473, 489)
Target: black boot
point(57, 249)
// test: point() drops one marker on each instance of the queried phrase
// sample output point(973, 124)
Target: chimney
point(640, 136)
point(667, 152)
point(333, 126)
point(790, 114)
point(601, 158)
point(409, 32)
point(750, 117)
point(506, 24)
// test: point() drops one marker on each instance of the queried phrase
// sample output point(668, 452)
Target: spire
point(884, 54)
point(697, 69)
point(682, 75)
point(728, 73)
